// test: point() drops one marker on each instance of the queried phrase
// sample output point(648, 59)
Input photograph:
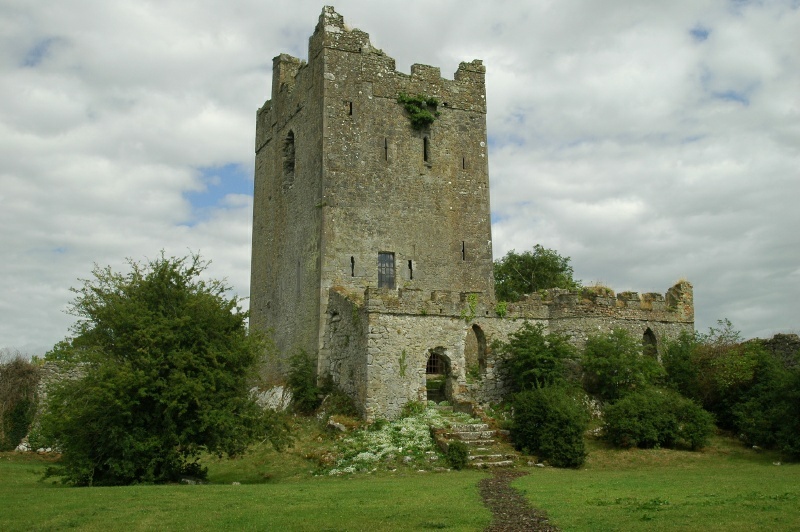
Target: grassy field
point(725, 487)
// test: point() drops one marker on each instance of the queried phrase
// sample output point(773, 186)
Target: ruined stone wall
point(784, 347)
point(345, 347)
point(406, 326)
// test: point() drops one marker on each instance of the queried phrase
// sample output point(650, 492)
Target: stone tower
point(350, 196)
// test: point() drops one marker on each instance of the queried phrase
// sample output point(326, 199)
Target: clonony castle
point(372, 237)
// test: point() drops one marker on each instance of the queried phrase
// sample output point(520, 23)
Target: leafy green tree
point(715, 368)
point(167, 364)
point(613, 365)
point(534, 359)
point(517, 274)
point(657, 418)
point(550, 423)
point(18, 384)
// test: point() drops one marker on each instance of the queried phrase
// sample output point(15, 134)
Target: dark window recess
point(463, 250)
point(385, 149)
point(352, 267)
point(288, 158)
point(410, 271)
point(463, 163)
point(349, 108)
point(426, 149)
point(385, 270)
point(436, 365)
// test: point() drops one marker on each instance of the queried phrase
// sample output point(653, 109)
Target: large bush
point(657, 418)
point(517, 274)
point(613, 365)
point(533, 359)
point(167, 364)
point(18, 381)
point(550, 422)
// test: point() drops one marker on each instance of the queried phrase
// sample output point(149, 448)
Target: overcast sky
point(648, 141)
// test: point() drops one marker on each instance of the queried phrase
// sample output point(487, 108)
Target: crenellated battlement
point(676, 305)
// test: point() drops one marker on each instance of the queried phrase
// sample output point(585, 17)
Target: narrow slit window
point(352, 267)
point(463, 163)
point(463, 250)
point(385, 270)
point(349, 107)
point(410, 270)
point(426, 149)
point(288, 158)
point(385, 149)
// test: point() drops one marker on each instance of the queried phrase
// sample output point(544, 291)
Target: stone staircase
point(487, 447)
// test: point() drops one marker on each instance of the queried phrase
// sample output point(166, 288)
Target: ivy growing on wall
point(421, 109)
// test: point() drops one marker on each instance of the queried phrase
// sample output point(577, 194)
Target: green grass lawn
point(725, 487)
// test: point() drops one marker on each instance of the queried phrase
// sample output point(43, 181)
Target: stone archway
point(437, 373)
point(475, 350)
point(649, 344)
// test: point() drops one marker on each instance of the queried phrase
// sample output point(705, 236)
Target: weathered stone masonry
point(372, 240)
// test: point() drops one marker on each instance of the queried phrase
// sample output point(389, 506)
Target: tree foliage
point(613, 365)
point(550, 423)
point(167, 364)
point(534, 359)
point(657, 418)
point(517, 274)
point(18, 383)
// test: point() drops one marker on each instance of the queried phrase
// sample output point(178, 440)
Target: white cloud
point(648, 141)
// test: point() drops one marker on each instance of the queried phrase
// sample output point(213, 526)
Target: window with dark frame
point(435, 365)
point(386, 270)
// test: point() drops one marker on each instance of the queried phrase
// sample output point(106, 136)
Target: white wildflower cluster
point(408, 437)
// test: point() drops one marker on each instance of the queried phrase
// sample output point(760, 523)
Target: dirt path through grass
point(510, 510)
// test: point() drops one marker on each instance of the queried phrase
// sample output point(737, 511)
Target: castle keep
point(372, 247)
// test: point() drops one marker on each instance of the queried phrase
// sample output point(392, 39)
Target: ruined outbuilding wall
point(405, 326)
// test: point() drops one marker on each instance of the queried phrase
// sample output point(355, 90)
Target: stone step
point(474, 435)
point(486, 465)
point(469, 427)
point(484, 457)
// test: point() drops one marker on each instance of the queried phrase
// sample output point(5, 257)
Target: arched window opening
point(475, 351)
point(288, 159)
point(649, 344)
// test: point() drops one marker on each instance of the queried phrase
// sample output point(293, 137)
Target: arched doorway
point(475, 351)
point(649, 343)
point(437, 370)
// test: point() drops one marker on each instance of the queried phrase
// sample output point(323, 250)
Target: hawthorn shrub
point(167, 366)
point(549, 422)
point(18, 381)
point(657, 418)
point(534, 359)
point(613, 365)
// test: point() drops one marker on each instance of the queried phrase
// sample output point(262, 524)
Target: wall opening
point(385, 149)
point(386, 270)
point(437, 371)
point(426, 149)
point(463, 163)
point(649, 344)
point(463, 250)
point(349, 108)
point(288, 158)
point(410, 270)
point(475, 351)
point(352, 267)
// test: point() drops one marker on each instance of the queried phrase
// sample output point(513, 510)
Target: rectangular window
point(385, 270)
